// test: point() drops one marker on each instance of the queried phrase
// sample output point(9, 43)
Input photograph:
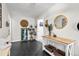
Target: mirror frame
point(59, 19)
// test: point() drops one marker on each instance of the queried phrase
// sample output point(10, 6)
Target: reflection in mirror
point(60, 21)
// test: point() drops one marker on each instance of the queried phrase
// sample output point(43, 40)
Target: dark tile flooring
point(27, 48)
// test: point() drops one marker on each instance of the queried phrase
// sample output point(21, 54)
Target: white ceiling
point(37, 9)
point(29, 9)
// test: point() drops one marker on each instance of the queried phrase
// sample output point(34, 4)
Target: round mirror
point(60, 21)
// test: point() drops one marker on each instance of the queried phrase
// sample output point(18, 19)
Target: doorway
point(24, 34)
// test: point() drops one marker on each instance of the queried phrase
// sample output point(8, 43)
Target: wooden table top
point(59, 39)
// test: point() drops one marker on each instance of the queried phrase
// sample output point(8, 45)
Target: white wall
point(70, 31)
point(16, 28)
point(4, 31)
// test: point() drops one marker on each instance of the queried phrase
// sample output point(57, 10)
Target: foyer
point(39, 29)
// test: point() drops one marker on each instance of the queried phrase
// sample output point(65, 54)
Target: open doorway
point(40, 29)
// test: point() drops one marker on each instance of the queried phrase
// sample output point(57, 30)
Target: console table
point(65, 41)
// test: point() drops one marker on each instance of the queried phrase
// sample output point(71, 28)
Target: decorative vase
point(50, 27)
point(49, 33)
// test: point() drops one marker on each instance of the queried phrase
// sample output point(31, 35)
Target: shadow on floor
point(27, 48)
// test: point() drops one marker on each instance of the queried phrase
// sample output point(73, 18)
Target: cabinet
point(68, 43)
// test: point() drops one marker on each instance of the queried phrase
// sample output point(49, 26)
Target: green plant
point(50, 27)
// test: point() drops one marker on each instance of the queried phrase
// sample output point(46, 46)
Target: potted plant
point(50, 27)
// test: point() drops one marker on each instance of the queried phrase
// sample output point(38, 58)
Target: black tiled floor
point(27, 48)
